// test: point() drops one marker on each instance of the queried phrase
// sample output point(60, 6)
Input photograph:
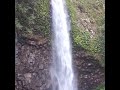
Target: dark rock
point(33, 71)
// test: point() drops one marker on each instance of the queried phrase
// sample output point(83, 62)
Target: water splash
point(61, 71)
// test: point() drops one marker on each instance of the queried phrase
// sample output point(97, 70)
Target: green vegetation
point(88, 29)
point(100, 87)
point(87, 16)
point(32, 17)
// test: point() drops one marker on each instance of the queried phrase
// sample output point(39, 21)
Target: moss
point(32, 17)
point(94, 10)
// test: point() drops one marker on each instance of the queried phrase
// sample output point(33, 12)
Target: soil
point(32, 65)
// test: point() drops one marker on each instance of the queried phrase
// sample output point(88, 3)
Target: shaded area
point(89, 72)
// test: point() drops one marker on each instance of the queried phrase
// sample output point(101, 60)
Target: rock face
point(32, 68)
point(89, 72)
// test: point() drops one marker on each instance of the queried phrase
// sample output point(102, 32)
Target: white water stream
point(61, 71)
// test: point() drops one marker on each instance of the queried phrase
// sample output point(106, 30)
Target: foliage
point(32, 17)
point(94, 10)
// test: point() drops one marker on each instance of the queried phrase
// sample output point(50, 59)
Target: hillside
point(33, 43)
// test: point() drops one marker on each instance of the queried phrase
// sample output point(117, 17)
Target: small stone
point(85, 76)
point(34, 74)
point(89, 64)
point(92, 78)
point(31, 59)
point(91, 73)
point(19, 74)
point(41, 66)
point(28, 77)
point(95, 81)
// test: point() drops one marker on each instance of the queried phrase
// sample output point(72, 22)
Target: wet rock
point(33, 71)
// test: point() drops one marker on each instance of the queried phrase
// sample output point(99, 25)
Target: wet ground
point(33, 62)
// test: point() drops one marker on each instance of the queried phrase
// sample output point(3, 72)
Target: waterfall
point(61, 70)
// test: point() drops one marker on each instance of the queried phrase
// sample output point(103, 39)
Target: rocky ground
point(33, 61)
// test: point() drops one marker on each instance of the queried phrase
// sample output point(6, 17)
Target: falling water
point(61, 70)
